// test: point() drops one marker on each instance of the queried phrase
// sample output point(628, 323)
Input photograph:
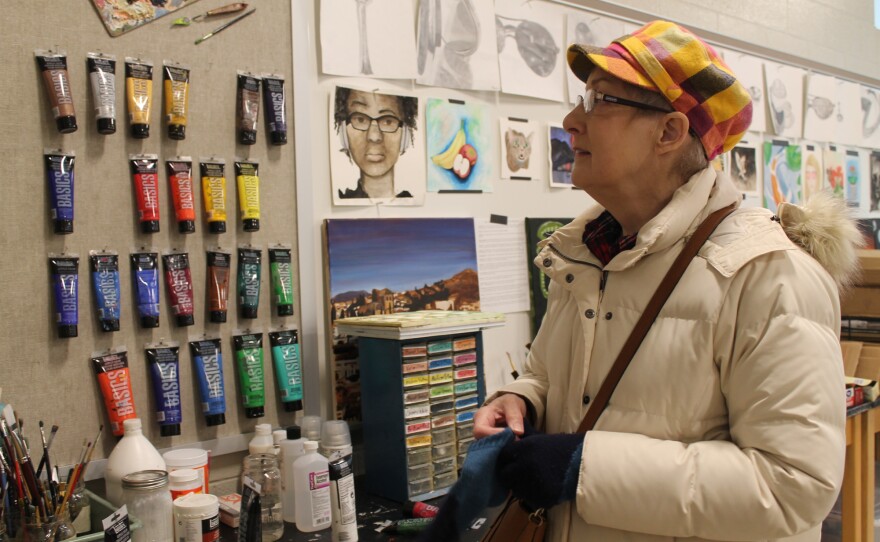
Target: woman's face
point(375, 152)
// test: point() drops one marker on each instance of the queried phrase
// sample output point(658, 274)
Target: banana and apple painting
point(459, 143)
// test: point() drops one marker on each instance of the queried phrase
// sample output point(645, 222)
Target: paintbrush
point(73, 479)
point(225, 26)
point(48, 464)
point(48, 446)
point(513, 371)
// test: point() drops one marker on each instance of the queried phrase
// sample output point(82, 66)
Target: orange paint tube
point(114, 379)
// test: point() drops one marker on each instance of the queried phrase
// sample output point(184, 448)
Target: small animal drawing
point(561, 155)
point(519, 149)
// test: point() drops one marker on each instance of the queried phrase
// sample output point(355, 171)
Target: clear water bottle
point(264, 469)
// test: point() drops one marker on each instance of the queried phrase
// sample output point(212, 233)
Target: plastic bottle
point(262, 442)
point(312, 481)
point(336, 447)
point(311, 428)
point(132, 453)
point(277, 436)
point(291, 449)
point(183, 482)
point(264, 470)
point(335, 440)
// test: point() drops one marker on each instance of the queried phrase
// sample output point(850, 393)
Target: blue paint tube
point(249, 265)
point(59, 174)
point(65, 281)
point(105, 281)
point(164, 361)
point(288, 368)
point(145, 271)
point(208, 363)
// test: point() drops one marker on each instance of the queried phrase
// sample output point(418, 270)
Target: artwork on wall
point(561, 156)
point(538, 229)
point(782, 173)
point(849, 127)
point(870, 116)
point(376, 148)
point(812, 168)
point(750, 71)
point(785, 98)
point(371, 38)
point(835, 178)
point(744, 167)
point(874, 190)
point(120, 16)
point(382, 266)
point(823, 112)
point(852, 193)
point(531, 54)
point(518, 140)
point(460, 141)
point(456, 44)
point(589, 29)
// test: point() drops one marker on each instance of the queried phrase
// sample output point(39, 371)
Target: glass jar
point(264, 470)
point(80, 506)
point(148, 499)
point(55, 528)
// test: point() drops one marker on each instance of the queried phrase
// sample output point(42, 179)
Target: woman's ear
point(673, 133)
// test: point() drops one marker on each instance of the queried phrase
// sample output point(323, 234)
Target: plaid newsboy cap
point(666, 58)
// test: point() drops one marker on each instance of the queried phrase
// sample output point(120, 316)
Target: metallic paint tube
point(139, 95)
point(247, 178)
point(176, 87)
point(180, 179)
point(178, 280)
point(145, 272)
point(164, 362)
point(65, 281)
point(114, 378)
point(145, 174)
point(249, 268)
point(53, 65)
point(282, 279)
point(208, 361)
point(102, 73)
point(214, 193)
point(59, 174)
point(248, 110)
point(288, 367)
point(219, 264)
point(105, 283)
point(273, 101)
point(249, 360)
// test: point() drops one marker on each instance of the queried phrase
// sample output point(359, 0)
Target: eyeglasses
point(591, 97)
point(387, 123)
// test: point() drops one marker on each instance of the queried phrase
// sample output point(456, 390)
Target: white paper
point(822, 108)
point(534, 64)
point(588, 29)
point(785, 94)
point(870, 103)
point(849, 125)
point(519, 141)
point(456, 44)
point(373, 38)
point(812, 168)
point(503, 269)
point(745, 167)
point(749, 71)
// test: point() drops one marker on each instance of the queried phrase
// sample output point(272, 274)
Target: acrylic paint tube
point(288, 367)
point(178, 280)
point(102, 73)
point(111, 368)
point(104, 266)
point(219, 263)
point(248, 110)
point(407, 526)
point(164, 362)
point(273, 101)
point(342, 505)
point(53, 65)
point(247, 177)
point(208, 361)
point(176, 89)
point(180, 179)
point(420, 509)
point(139, 95)
point(214, 193)
point(249, 267)
point(249, 359)
point(59, 174)
point(282, 279)
point(145, 272)
point(145, 174)
point(65, 283)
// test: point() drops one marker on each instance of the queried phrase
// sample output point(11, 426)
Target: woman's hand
point(507, 410)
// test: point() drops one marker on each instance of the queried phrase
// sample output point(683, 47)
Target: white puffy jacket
point(729, 422)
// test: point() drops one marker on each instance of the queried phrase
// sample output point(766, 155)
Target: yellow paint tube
point(248, 180)
point(139, 95)
point(176, 89)
point(214, 193)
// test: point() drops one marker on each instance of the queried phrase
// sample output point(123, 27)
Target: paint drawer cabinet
point(419, 396)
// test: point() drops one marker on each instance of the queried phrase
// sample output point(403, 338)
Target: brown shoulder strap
point(651, 311)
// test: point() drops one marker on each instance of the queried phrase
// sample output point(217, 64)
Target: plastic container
point(196, 518)
point(146, 495)
point(335, 440)
point(277, 436)
point(312, 481)
point(184, 482)
point(291, 449)
point(190, 458)
point(264, 470)
point(311, 428)
point(262, 443)
point(132, 453)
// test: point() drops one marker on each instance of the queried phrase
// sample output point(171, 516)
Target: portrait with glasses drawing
point(375, 152)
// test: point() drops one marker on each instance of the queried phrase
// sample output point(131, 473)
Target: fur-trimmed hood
point(825, 228)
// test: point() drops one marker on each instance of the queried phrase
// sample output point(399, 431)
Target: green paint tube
point(282, 280)
point(249, 264)
point(288, 368)
point(248, 349)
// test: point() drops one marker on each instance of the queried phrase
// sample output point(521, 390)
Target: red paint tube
point(114, 379)
point(178, 281)
point(180, 180)
point(145, 173)
point(420, 509)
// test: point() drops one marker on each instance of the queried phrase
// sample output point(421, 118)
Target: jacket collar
point(704, 193)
